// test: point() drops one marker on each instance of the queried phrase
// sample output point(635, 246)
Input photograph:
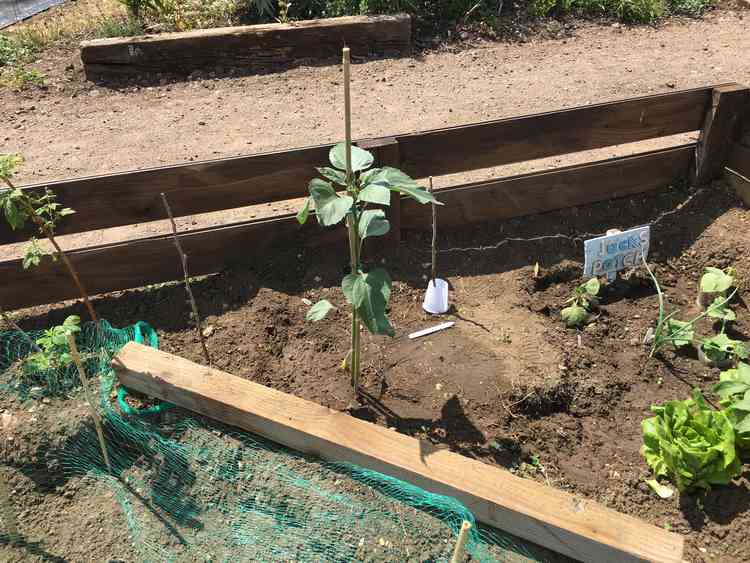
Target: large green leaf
point(395, 180)
point(333, 175)
point(719, 309)
point(369, 294)
point(361, 159)
point(375, 193)
point(715, 280)
point(680, 333)
point(319, 311)
point(574, 316)
point(691, 443)
point(592, 286)
point(8, 164)
point(330, 208)
point(372, 223)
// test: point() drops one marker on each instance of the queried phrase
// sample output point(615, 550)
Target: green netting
point(194, 490)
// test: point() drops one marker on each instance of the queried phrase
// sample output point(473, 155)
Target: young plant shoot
point(734, 390)
point(362, 186)
point(582, 303)
point(19, 206)
point(51, 350)
point(714, 284)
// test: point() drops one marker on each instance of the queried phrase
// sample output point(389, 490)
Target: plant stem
point(92, 404)
point(46, 231)
point(6, 512)
point(188, 289)
point(352, 219)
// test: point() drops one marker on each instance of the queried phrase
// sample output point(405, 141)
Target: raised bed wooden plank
point(721, 127)
point(555, 189)
point(248, 48)
point(492, 143)
point(740, 184)
point(575, 527)
point(739, 159)
point(153, 260)
point(133, 197)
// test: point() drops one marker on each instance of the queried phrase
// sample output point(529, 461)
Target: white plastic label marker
point(607, 255)
point(427, 331)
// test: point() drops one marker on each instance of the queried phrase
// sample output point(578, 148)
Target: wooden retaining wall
point(133, 197)
point(247, 48)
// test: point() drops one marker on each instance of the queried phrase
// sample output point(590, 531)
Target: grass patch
point(629, 11)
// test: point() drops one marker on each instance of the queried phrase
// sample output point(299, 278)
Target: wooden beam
point(740, 184)
point(248, 48)
point(739, 159)
point(150, 260)
point(555, 189)
point(492, 143)
point(133, 197)
point(573, 526)
point(720, 130)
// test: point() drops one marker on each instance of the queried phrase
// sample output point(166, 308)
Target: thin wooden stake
point(352, 219)
point(188, 289)
point(459, 553)
point(92, 404)
point(434, 237)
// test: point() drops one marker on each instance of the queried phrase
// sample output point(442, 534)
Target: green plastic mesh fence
point(193, 490)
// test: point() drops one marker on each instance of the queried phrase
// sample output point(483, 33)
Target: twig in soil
point(188, 289)
point(94, 412)
point(508, 407)
point(11, 323)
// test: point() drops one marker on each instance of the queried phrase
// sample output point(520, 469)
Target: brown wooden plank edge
point(739, 159)
point(150, 260)
point(575, 527)
point(248, 48)
point(492, 143)
point(133, 197)
point(539, 192)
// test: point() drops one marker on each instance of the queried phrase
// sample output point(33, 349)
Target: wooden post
point(720, 130)
point(89, 399)
point(386, 153)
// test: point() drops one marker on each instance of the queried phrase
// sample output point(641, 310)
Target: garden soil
point(508, 384)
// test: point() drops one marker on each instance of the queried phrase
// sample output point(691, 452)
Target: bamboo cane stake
point(351, 221)
point(459, 552)
point(188, 289)
point(92, 404)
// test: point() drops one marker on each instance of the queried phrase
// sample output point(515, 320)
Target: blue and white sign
point(615, 251)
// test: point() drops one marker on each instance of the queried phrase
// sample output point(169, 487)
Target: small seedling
point(583, 301)
point(721, 350)
point(20, 206)
point(714, 284)
point(670, 330)
point(361, 185)
point(52, 352)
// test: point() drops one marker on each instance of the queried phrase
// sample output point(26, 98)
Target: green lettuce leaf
point(691, 444)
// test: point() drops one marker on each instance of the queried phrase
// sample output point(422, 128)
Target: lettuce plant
point(691, 444)
point(361, 186)
point(734, 390)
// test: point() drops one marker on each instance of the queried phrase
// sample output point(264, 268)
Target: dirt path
point(77, 129)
